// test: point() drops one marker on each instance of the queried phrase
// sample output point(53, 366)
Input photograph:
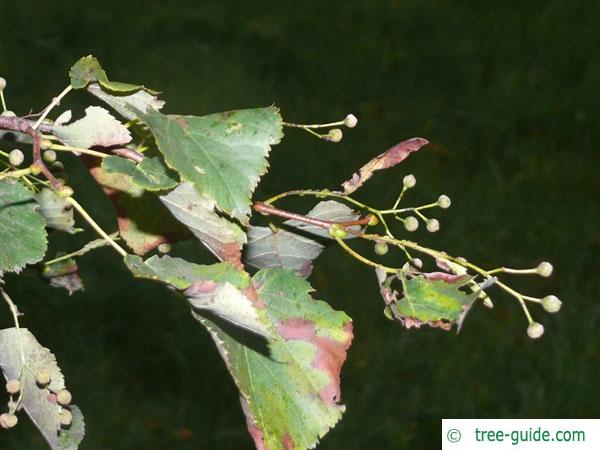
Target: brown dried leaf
point(387, 159)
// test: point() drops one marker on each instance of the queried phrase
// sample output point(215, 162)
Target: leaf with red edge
point(197, 212)
point(435, 299)
point(284, 349)
point(143, 221)
point(290, 385)
point(221, 289)
point(387, 159)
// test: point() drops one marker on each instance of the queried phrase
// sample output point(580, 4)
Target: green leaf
point(70, 438)
point(288, 367)
point(281, 248)
point(434, 299)
point(85, 70)
point(222, 237)
point(143, 221)
point(88, 69)
point(289, 385)
point(57, 211)
point(37, 401)
point(223, 155)
point(22, 229)
point(149, 174)
point(97, 128)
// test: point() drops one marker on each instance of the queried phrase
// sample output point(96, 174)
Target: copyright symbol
point(453, 435)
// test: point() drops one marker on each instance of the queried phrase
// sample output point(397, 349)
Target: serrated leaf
point(223, 155)
point(291, 389)
point(281, 248)
point(126, 103)
point(37, 401)
point(57, 211)
point(143, 221)
point(329, 210)
point(429, 299)
point(97, 128)
point(63, 274)
point(219, 288)
point(149, 174)
point(22, 228)
point(387, 159)
point(197, 212)
point(288, 368)
point(85, 70)
point(70, 438)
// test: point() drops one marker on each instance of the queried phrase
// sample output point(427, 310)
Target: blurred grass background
point(507, 93)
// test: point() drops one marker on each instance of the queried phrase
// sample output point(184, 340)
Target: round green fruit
point(381, 248)
point(337, 232)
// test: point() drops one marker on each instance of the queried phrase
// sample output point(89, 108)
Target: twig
point(15, 313)
point(264, 208)
point(129, 154)
point(97, 243)
point(68, 148)
point(22, 126)
point(95, 226)
point(55, 101)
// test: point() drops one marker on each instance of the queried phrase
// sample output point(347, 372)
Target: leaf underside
point(331, 211)
point(97, 128)
point(221, 236)
point(37, 401)
point(126, 103)
point(57, 211)
point(281, 248)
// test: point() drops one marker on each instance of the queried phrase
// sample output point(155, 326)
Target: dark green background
point(507, 93)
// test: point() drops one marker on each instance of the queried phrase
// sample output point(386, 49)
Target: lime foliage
point(174, 177)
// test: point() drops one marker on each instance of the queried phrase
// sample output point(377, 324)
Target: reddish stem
point(23, 126)
point(264, 208)
point(129, 154)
